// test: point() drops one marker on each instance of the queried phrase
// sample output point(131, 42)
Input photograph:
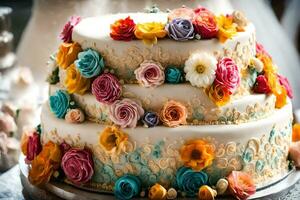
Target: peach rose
point(67, 54)
point(74, 116)
point(173, 114)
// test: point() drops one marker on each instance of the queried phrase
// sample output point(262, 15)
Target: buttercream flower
point(227, 29)
point(227, 74)
point(173, 114)
point(267, 62)
point(241, 184)
point(206, 193)
point(200, 69)
point(219, 94)
point(67, 54)
point(183, 13)
point(205, 24)
point(112, 139)
point(180, 29)
point(281, 98)
point(106, 88)
point(261, 85)
point(122, 29)
point(157, 192)
point(74, 82)
point(260, 49)
point(150, 74)
point(150, 31)
point(66, 34)
point(126, 113)
point(34, 146)
point(239, 18)
point(189, 181)
point(59, 103)
point(296, 133)
point(294, 153)
point(127, 187)
point(44, 164)
point(78, 165)
point(90, 63)
point(285, 83)
point(172, 193)
point(74, 116)
point(150, 119)
point(7, 123)
point(257, 64)
point(197, 154)
point(173, 75)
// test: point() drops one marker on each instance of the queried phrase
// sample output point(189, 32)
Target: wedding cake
point(182, 103)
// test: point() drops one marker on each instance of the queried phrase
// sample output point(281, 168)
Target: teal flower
point(173, 75)
point(127, 187)
point(89, 63)
point(189, 181)
point(59, 103)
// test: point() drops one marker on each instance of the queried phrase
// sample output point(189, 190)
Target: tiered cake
point(163, 105)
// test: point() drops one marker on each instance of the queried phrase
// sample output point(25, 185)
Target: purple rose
point(126, 113)
point(34, 146)
point(106, 88)
point(150, 119)
point(150, 74)
point(180, 29)
point(66, 34)
point(78, 165)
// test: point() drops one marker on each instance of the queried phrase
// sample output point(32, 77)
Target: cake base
point(59, 190)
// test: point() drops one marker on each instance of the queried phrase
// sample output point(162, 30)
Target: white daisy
point(200, 69)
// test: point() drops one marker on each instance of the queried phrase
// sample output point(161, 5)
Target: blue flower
point(59, 103)
point(89, 63)
point(150, 119)
point(127, 187)
point(173, 75)
point(180, 29)
point(190, 181)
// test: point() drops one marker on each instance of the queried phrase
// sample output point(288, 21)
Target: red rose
point(33, 146)
point(122, 29)
point(261, 85)
point(205, 23)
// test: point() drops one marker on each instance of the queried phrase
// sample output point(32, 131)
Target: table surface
point(11, 187)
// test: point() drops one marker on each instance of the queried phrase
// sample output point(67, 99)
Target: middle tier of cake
point(201, 110)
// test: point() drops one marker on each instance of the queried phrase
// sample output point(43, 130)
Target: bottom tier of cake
point(154, 155)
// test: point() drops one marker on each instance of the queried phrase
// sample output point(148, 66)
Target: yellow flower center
point(200, 69)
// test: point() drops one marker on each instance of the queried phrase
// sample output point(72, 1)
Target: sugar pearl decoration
point(222, 186)
point(171, 194)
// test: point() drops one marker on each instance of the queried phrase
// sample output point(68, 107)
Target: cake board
point(59, 191)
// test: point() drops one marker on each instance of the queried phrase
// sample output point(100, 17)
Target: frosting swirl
point(106, 88)
point(59, 103)
point(127, 187)
point(180, 29)
point(90, 63)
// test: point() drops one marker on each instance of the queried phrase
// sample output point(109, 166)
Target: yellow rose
point(227, 29)
point(157, 192)
point(67, 54)
point(149, 32)
point(112, 139)
point(74, 82)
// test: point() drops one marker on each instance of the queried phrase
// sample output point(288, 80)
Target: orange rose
point(173, 114)
point(197, 154)
point(218, 94)
point(296, 133)
point(67, 54)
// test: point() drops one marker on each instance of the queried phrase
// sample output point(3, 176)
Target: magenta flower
point(34, 146)
point(78, 165)
point(66, 34)
point(126, 113)
point(227, 74)
point(261, 85)
point(286, 84)
point(106, 88)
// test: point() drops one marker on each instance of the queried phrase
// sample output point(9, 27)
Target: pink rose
point(78, 165)
point(241, 185)
point(34, 146)
point(294, 153)
point(285, 83)
point(261, 85)
point(205, 23)
point(260, 49)
point(126, 113)
point(7, 123)
point(66, 34)
point(150, 74)
point(74, 116)
point(227, 74)
point(106, 88)
point(183, 13)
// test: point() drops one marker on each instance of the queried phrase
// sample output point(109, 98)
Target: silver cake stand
point(58, 191)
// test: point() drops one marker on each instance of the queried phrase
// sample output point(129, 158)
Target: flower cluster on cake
point(163, 105)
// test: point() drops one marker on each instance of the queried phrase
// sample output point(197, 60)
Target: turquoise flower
point(59, 103)
point(127, 187)
point(189, 181)
point(89, 63)
point(173, 75)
